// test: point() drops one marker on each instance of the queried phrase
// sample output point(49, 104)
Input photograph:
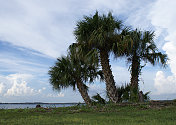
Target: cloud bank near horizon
point(163, 16)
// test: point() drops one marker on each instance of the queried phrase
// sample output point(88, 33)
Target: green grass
point(97, 115)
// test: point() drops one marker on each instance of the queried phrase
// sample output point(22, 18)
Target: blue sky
point(33, 33)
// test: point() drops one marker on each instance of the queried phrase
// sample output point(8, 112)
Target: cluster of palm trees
point(97, 37)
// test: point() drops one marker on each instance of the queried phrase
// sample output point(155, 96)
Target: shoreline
point(71, 102)
point(41, 103)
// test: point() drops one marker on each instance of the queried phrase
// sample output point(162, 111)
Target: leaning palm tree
point(143, 49)
point(100, 34)
point(72, 72)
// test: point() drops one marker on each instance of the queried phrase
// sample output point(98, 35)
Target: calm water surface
point(31, 105)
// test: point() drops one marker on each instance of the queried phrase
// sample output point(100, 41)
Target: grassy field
point(139, 114)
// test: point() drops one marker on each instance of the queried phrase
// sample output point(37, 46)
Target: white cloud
point(17, 76)
point(24, 65)
point(20, 89)
point(16, 85)
point(121, 74)
point(47, 26)
point(56, 95)
point(37, 25)
point(163, 16)
point(96, 88)
point(164, 85)
point(1, 87)
point(138, 18)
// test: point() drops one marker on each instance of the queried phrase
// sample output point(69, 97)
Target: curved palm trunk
point(83, 91)
point(109, 78)
point(135, 71)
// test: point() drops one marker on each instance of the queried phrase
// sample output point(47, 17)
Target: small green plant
point(134, 94)
point(97, 99)
point(174, 100)
point(146, 96)
point(126, 93)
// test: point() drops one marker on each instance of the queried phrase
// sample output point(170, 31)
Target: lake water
point(33, 105)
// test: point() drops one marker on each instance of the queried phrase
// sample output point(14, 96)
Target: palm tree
point(100, 34)
point(72, 72)
point(143, 49)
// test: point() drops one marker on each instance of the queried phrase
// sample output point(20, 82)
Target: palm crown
point(71, 71)
point(145, 48)
point(97, 31)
